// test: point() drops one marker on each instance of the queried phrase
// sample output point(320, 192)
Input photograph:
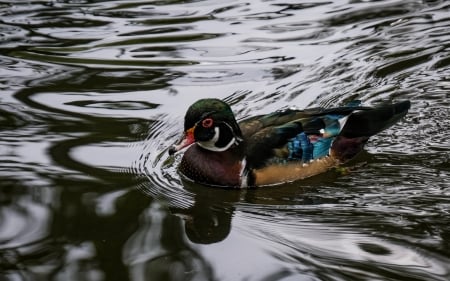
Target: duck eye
point(207, 123)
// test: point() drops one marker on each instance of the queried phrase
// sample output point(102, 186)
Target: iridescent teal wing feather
point(303, 139)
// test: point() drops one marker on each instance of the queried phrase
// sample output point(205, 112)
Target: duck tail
point(363, 124)
point(371, 121)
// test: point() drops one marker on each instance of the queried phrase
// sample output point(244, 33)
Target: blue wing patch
point(316, 141)
point(322, 147)
point(318, 137)
point(306, 148)
point(300, 148)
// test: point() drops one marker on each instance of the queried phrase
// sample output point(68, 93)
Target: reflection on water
point(93, 93)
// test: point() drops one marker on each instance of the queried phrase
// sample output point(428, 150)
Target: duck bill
point(186, 140)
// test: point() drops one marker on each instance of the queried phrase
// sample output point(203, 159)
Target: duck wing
point(305, 135)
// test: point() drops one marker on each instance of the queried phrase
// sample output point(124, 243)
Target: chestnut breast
point(211, 167)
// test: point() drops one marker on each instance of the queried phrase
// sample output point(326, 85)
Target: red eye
point(207, 123)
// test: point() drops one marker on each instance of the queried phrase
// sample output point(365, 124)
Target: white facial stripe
point(211, 144)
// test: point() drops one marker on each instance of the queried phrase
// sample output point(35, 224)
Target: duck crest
point(283, 146)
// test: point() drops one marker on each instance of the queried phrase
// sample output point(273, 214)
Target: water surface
point(94, 92)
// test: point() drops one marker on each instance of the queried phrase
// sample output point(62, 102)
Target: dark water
point(93, 92)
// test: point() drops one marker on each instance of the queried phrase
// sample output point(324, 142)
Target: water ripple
point(94, 92)
point(159, 170)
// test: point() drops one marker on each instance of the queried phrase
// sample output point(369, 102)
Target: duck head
point(211, 124)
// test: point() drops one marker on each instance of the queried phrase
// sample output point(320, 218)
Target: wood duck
point(280, 147)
